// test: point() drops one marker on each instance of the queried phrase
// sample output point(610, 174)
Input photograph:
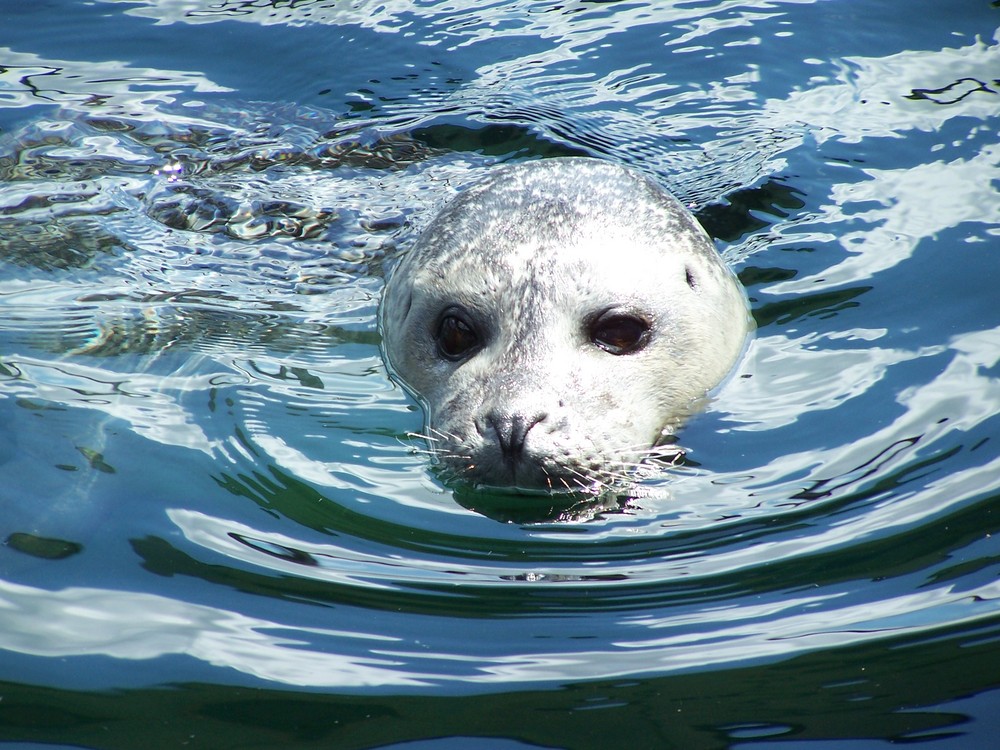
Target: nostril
point(512, 430)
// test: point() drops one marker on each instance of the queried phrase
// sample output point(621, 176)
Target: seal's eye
point(617, 333)
point(456, 338)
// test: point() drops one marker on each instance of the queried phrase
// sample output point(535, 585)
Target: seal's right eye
point(618, 333)
point(456, 338)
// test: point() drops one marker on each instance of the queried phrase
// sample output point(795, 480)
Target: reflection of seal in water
point(560, 319)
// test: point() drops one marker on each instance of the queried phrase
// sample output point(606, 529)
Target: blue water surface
point(217, 529)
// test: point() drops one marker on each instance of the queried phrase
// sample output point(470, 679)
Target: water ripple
point(196, 414)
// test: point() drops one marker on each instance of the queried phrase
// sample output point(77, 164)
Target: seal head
point(560, 319)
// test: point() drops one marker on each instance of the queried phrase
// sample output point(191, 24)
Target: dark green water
point(216, 531)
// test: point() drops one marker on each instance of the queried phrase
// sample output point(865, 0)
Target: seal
point(560, 320)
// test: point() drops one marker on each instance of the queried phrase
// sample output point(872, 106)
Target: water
point(217, 533)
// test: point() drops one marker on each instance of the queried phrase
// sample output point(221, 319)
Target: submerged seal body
point(559, 320)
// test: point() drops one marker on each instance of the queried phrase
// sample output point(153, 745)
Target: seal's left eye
point(456, 338)
point(619, 334)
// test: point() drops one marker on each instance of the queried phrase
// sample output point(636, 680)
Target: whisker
point(446, 435)
point(589, 475)
point(422, 436)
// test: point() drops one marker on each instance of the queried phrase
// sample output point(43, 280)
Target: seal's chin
point(577, 497)
point(507, 505)
point(523, 474)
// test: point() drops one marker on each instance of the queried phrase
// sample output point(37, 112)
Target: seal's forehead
point(589, 258)
point(532, 231)
point(579, 222)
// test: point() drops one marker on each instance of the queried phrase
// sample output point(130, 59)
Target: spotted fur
point(530, 257)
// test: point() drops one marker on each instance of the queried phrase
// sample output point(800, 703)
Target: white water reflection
point(150, 404)
point(132, 626)
point(636, 110)
point(27, 80)
point(889, 97)
point(453, 25)
point(885, 97)
point(792, 379)
point(126, 625)
point(891, 212)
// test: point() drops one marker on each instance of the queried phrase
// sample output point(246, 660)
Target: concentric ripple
point(207, 469)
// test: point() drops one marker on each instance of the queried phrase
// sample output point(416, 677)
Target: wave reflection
point(135, 626)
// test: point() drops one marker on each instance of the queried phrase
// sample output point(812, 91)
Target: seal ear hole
point(455, 336)
point(689, 277)
point(619, 333)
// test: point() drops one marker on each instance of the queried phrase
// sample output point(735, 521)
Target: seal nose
point(511, 431)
